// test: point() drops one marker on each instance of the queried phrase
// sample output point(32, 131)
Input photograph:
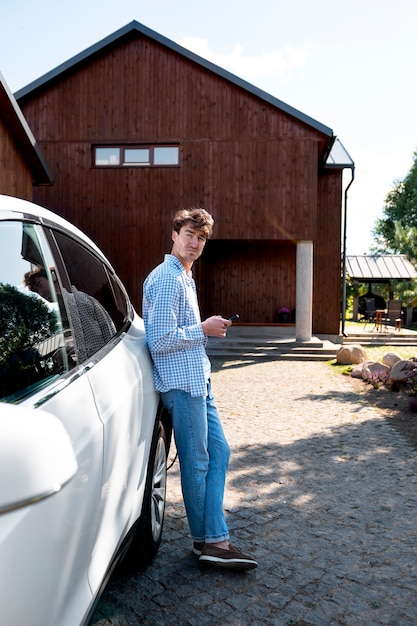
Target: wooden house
point(21, 162)
point(136, 127)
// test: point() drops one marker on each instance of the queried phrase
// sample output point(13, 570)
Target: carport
point(381, 268)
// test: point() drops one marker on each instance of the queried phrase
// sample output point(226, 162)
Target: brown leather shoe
point(231, 558)
point(197, 547)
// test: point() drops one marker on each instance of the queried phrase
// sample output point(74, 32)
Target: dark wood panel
point(327, 258)
point(15, 174)
point(140, 90)
point(250, 164)
point(250, 278)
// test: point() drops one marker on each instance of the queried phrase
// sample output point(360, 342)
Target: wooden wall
point(254, 167)
point(251, 278)
point(327, 271)
point(15, 174)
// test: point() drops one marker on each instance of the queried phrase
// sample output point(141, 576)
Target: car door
point(45, 548)
point(122, 384)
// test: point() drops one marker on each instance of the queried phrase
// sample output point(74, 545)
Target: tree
point(25, 321)
point(396, 232)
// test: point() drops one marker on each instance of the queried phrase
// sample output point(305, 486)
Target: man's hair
point(197, 218)
point(30, 278)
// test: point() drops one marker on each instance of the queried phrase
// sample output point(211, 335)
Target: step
point(245, 348)
point(381, 339)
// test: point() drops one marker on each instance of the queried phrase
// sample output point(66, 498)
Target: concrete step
point(382, 339)
point(278, 342)
point(246, 347)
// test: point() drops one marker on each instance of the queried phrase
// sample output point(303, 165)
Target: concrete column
point(304, 291)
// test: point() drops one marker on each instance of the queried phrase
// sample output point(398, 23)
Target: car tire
point(147, 534)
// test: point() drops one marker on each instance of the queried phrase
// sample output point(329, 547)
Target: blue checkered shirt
point(174, 334)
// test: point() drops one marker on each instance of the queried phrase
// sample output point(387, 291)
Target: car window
point(34, 336)
point(96, 310)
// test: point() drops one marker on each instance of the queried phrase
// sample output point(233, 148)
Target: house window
point(107, 156)
point(136, 156)
point(166, 155)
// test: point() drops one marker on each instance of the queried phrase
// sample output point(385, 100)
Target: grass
point(375, 353)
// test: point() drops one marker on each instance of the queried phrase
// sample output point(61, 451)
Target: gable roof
point(139, 29)
point(379, 268)
point(21, 133)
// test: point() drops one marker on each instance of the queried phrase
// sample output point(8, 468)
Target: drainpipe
point(352, 169)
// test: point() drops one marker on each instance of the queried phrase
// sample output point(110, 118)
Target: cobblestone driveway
point(320, 489)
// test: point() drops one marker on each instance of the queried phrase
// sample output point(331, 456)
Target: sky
point(351, 66)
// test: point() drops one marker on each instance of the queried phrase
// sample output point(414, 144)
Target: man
point(176, 338)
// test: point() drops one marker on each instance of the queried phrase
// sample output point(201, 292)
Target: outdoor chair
point(370, 313)
point(393, 315)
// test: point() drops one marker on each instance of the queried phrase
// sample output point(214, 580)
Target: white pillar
point(304, 291)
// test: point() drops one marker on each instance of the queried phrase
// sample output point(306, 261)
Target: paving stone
point(320, 489)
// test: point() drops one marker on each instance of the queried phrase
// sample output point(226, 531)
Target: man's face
point(41, 286)
point(188, 244)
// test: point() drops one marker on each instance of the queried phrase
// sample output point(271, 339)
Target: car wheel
point(157, 492)
point(147, 533)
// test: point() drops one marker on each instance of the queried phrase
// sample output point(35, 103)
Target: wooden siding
point(327, 274)
point(252, 279)
point(15, 174)
point(140, 90)
point(253, 166)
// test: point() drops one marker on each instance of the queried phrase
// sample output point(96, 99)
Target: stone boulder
point(374, 371)
point(351, 354)
point(391, 358)
point(402, 371)
point(357, 370)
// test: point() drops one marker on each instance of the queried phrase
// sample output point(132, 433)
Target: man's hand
point(215, 326)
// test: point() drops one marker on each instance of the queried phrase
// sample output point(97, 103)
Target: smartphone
point(234, 318)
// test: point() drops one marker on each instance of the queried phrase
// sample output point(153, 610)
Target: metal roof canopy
point(379, 268)
point(339, 157)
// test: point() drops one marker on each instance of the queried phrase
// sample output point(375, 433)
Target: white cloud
point(280, 64)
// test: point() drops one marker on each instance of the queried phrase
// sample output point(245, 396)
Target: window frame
point(122, 148)
point(118, 292)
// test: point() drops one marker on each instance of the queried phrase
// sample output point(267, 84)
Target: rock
point(349, 355)
point(357, 370)
point(391, 358)
point(403, 370)
point(375, 371)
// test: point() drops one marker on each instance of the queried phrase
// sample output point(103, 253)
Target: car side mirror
point(36, 456)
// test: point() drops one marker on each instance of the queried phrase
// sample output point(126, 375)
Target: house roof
point(21, 133)
point(379, 268)
point(339, 157)
point(139, 29)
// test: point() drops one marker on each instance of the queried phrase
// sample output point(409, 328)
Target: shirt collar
point(170, 258)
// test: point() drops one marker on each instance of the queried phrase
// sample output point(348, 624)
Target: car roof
point(17, 208)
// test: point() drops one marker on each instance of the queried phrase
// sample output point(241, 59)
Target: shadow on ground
point(394, 406)
point(331, 519)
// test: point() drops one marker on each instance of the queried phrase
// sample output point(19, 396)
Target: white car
point(83, 438)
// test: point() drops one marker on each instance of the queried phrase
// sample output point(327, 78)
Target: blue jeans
point(203, 454)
